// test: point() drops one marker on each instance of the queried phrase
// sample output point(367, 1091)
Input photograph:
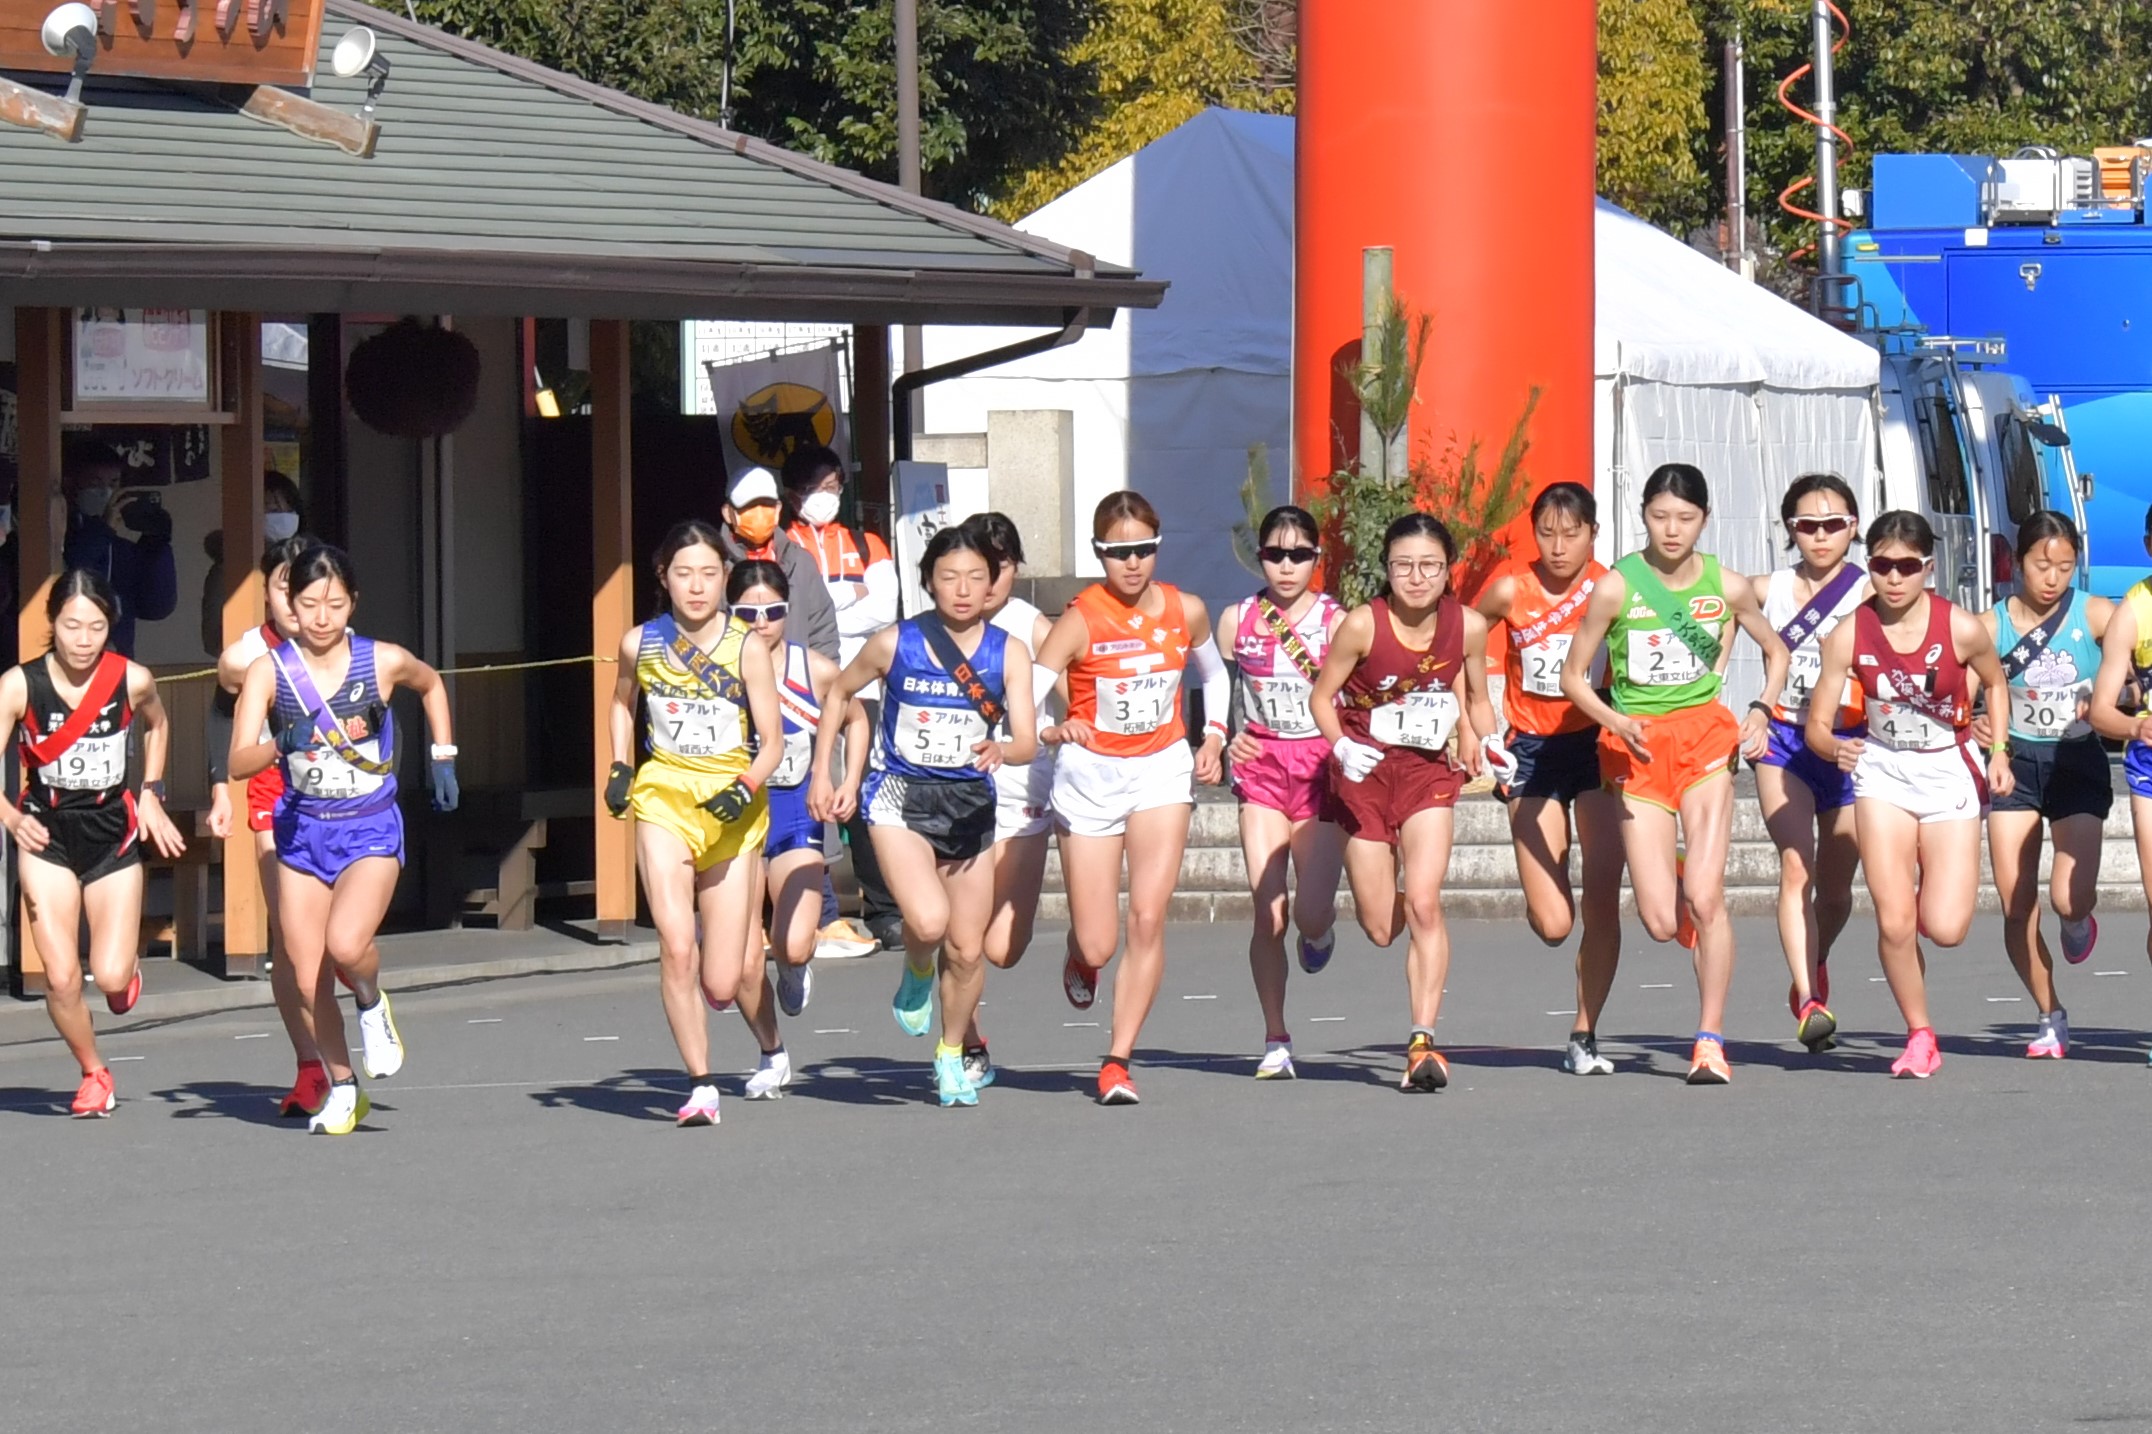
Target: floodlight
point(72, 30)
point(359, 53)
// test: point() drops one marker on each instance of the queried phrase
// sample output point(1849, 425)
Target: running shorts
point(1024, 798)
point(1095, 795)
point(1289, 775)
point(669, 798)
point(91, 842)
point(2137, 769)
point(1561, 766)
point(792, 827)
point(1788, 751)
point(264, 789)
point(1688, 748)
point(2060, 779)
point(1404, 782)
point(956, 818)
point(1942, 786)
point(325, 847)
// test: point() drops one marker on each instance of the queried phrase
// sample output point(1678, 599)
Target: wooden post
point(870, 416)
point(612, 605)
point(40, 523)
point(246, 917)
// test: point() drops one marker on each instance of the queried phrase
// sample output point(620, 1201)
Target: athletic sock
point(702, 1080)
point(943, 1048)
point(1427, 1031)
point(350, 1080)
point(1712, 1036)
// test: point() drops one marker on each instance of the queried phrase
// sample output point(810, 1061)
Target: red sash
point(111, 672)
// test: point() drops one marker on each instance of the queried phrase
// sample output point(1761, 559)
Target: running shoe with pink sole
point(94, 1100)
point(124, 1002)
point(1921, 1058)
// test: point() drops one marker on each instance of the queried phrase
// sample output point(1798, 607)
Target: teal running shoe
point(914, 1004)
point(950, 1083)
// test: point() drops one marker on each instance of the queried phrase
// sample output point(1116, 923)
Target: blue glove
point(445, 791)
point(294, 737)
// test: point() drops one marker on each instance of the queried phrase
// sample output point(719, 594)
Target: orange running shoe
point(95, 1099)
point(1707, 1062)
point(124, 1002)
point(308, 1094)
point(1114, 1085)
point(1424, 1067)
point(1684, 924)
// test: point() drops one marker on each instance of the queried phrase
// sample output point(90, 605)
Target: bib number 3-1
point(1136, 706)
point(1423, 719)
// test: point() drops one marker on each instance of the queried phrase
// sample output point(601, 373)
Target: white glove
point(1500, 760)
point(1357, 758)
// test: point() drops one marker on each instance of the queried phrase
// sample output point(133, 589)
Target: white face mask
point(819, 508)
point(91, 502)
point(279, 526)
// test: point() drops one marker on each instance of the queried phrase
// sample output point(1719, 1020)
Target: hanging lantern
point(413, 380)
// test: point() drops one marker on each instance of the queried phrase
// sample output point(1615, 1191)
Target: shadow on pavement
point(228, 1100)
point(640, 1094)
point(33, 1100)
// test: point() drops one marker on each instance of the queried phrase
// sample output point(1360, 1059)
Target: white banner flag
point(771, 406)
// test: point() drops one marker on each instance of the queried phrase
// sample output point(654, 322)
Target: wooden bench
point(482, 859)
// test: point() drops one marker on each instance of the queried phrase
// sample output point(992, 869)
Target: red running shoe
point(1079, 983)
point(124, 1002)
point(308, 1094)
point(1114, 1086)
point(95, 1099)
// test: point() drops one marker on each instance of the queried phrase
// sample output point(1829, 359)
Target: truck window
point(2024, 488)
point(1940, 455)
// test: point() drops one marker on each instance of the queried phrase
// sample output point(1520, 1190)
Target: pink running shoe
point(1921, 1058)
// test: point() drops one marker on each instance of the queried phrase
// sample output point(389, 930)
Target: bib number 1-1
point(1423, 720)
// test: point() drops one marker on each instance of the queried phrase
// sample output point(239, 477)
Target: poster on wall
point(770, 406)
point(929, 498)
point(142, 356)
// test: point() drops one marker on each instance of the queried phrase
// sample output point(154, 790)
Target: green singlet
point(1652, 669)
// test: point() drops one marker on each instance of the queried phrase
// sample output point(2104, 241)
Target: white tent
point(1693, 364)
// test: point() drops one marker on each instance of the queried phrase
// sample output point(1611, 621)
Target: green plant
point(1254, 503)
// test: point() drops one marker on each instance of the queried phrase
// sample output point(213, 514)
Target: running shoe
point(1684, 923)
point(701, 1107)
point(308, 1093)
point(771, 1076)
point(844, 939)
point(914, 1003)
point(381, 1050)
point(1424, 1067)
point(124, 1002)
point(2052, 1041)
point(1707, 1063)
point(1818, 1029)
point(346, 1106)
point(1583, 1058)
point(795, 987)
point(1314, 958)
point(1277, 1061)
point(978, 1066)
point(1114, 1085)
point(721, 1007)
point(94, 1099)
point(1079, 982)
point(2078, 939)
point(1921, 1058)
point(951, 1084)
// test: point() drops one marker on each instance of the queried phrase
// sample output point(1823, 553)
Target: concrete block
point(1031, 476)
point(958, 450)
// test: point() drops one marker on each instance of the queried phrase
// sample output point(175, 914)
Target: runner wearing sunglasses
point(2049, 636)
point(1392, 703)
point(1548, 765)
point(1666, 615)
point(1918, 788)
point(1123, 766)
point(1280, 767)
point(1807, 802)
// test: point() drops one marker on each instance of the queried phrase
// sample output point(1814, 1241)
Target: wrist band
point(747, 782)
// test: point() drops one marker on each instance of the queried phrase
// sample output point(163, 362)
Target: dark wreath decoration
point(413, 380)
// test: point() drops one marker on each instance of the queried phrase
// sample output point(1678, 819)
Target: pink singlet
point(1291, 774)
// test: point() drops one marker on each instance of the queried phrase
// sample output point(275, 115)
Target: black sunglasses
point(1275, 554)
point(768, 612)
point(1811, 526)
point(1127, 552)
point(1903, 567)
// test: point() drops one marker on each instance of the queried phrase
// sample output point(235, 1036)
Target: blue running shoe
point(914, 1004)
point(950, 1083)
point(1313, 957)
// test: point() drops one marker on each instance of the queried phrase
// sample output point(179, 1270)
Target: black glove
point(730, 804)
point(617, 782)
point(446, 794)
point(148, 517)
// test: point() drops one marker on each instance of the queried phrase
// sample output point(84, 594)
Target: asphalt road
point(520, 1240)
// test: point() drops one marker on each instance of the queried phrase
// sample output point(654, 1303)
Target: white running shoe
point(771, 1077)
point(341, 1113)
point(381, 1048)
point(1583, 1058)
point(2052, 1041)
point(795, 987)
point(701, 1107)
point(1277, 1062)
point(845, 939)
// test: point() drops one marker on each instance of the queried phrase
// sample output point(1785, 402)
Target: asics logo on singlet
point(932, 687)
point(1933, 654)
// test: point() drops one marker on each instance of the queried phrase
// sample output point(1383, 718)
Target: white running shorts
point(1944, 786)
point(1095, 795)
point(1024, 798)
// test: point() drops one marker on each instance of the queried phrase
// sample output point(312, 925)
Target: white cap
point(754, 485)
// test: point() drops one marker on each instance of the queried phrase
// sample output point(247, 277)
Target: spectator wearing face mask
point(854, 564)
point(753, 529)
point(280, 520)
point(140, 570)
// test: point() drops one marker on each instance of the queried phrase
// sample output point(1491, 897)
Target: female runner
point(760, 596)
point(1280, 766)
point(1668, 747)
point(78, 827)
point(1387, 703)
point(711, 721)
point(339, 834)
point(1918, 792)
point(1121, 776)
point(2126, 659)
point(953, 680)
point(2049, 640)
point(1550, 764)
point(1807, 802)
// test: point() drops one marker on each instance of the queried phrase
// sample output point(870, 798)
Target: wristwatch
point(155, 788)
point(443, 751)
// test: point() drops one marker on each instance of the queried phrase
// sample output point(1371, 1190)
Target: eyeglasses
point(1425, 567)
point(756, 616)
point(1126, 552)
point(1900, 567)
point(1275, 554)
point(1827, 523)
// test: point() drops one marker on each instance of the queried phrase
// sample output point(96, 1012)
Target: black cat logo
point(772, 422)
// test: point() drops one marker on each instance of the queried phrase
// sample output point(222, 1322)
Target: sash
point(326, 726)
point(1908, 685)
point(45, 750)
point(2030, 645)
point(1553, 618)
point(799, 707)
point(1287, 636)
point(984, 700)
point(1808, 619)
point(721, 684)
point(1646, 585)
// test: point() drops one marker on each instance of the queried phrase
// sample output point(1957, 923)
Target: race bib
point(1906, 728)
point(799, 755)
point(1136, 706)
point(938, 736)
point(2049, 712)
point(1542, 663)
point(93, 764)
point(1802, 674)
point(695, 726)
point(1657, 658)
point(319, 772)
point(1281, 703)
point(1423, 719)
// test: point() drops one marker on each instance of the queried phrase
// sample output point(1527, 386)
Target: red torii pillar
point(1461, 133)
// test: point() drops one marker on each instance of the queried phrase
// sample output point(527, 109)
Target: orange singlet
point(1540, 630)
point(1127, 680)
